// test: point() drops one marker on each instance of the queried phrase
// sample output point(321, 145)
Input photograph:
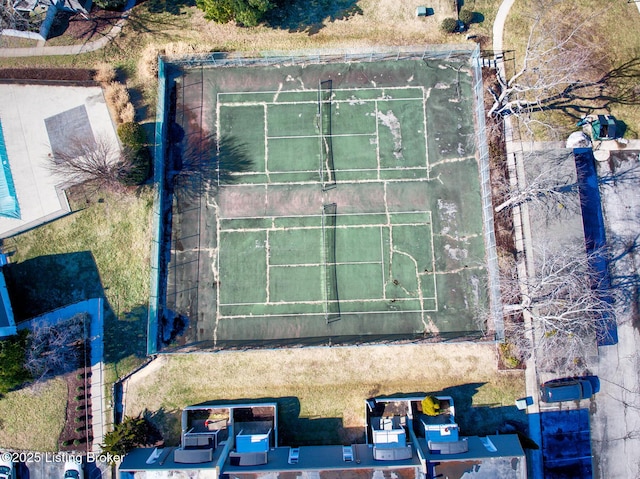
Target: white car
point(73, 470)
point(7, 471)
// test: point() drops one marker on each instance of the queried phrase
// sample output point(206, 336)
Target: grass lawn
point(321, 391)
point(371, 23)
point(100, 250)
point(612, 28)
point(32, 418)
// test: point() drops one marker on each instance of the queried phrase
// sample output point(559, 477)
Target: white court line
point(375, 112)
point(239, 104)
point(300, 228)
point(384, 279)
point(427, 212)
point(351, 170)
point(266, 144)
point(344, 182)
point(267, 248)
point(298, 265)
point(313, 91)
point(425, 96)
point(322, 314)
point(311, 302)
point(333, 135)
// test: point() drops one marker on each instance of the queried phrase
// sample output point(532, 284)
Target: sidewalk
point(43, 50)
point(93, 307)
point(522, 242)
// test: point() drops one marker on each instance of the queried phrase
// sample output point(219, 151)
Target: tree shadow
point(292, 429)
point(617, 86)
point(49, 282)
point(168, 6)
point(202, 162)
point(141, 20)
point(308, 17)
point(46, 283)
point(477, 17)
point(621, 128)
point(484, 419)
point(60, 24)
point(473, 420)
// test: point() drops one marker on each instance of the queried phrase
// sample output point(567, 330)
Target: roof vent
point(347, 453)
point(294, 454)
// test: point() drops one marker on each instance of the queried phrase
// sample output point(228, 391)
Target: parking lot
point(36, 465)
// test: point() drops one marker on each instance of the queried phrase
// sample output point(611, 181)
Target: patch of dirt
point(92, 27)
point(77, 434)
point(509, 357)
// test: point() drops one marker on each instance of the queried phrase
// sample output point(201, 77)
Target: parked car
point(569, 389)
point(7, 471)
point(73, 470)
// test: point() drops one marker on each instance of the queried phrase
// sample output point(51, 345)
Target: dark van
point(569, 389)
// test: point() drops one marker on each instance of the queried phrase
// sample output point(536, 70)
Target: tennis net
point(332, 303)
point(327, 171)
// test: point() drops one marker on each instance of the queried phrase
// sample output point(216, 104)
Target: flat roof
point(24, 111)
point(508, 461)
point(324, 458)
point(311, 458)
point(506, 445)
point(136, 460)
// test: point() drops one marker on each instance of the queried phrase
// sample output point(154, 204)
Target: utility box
point(424, 12)
point(603, 127)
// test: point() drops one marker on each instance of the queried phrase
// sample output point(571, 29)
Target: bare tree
point(94, 162)
point(10, 18)
point(560, 60)
point(553, 187)
point(569, 305)
point(55, 349)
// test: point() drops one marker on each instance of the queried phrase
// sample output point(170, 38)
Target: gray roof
point(506, 462)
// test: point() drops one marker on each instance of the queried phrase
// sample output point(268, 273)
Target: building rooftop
point(248, 450)
point(323, 458)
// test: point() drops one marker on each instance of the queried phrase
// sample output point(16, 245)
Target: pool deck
point(23, 111)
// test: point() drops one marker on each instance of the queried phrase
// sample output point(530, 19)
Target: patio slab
point(36, 119)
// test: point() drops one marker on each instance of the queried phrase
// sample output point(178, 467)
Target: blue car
point(569, 389)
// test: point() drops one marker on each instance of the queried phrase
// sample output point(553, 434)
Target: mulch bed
point(98, 24)
point(76, 434)
point(47, 74)
point(503, 221)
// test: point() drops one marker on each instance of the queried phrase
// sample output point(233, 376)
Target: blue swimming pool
point(8, 199)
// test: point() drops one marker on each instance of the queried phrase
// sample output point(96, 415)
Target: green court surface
point(281, 270)
point(358, 217)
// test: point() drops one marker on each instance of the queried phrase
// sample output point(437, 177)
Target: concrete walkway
point(522, 242)
point(42, 50)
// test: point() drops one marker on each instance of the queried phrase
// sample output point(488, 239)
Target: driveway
point(50, 465)
point(616, 421)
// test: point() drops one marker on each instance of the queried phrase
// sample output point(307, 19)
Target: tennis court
point(357, 218)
